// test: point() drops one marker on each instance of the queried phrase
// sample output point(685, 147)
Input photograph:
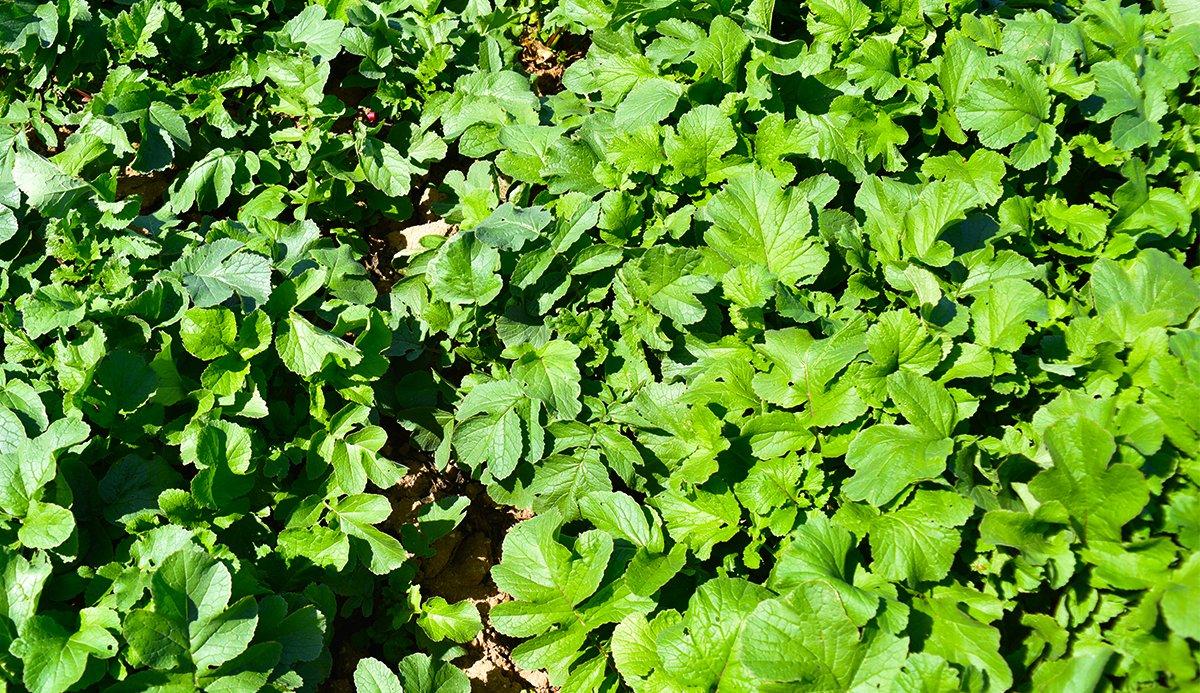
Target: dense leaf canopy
point(829, 345)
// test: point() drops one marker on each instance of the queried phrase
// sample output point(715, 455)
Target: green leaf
point(959, 638)
point(837, 20)
point(696, 146)
point(560, 481)
point(536, 567)
point(1004, 111)
point(420, 674)
point(1082, 670)
point(650, 101)
point(898, 340)
point(1151, 291)
point(357, 516)
point(509, 228)
point(373, 676)
point(45, 526)
point(384, 167)
point(313, 33)
point(805, 636)
point(207, 185)
point(306, 349)
point(917, 543)
point(666, 278)
point(1136, 118)
point(213, 273)
point(1178, 597)
point(611, 68)
point(48, 188)
point(888, 458)
point(1001, 312)
point(8, 224)
point(21, 582)
point(720, 55)
point(464, 271)
point(925, 404)
point(55, 656)
point(208, 333)
point(458, 622)
point(51, 308)
point(550, 373)
point(621, 516)
point(192, 620)
point(133, 29)
point(319, 545)
point(754, 220)
point(701, 519)
point(700, 649)
point(1100, 497)
point(1182, 13)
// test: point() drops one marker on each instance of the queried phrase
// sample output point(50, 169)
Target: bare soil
point(545, 61)
point(461, 566)
point(149, 187)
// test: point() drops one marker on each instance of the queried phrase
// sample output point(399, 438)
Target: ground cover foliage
point(837, 345)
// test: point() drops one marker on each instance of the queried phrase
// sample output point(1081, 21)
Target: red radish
point(370, 116)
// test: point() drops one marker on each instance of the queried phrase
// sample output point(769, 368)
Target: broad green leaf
point(1005, 110)
point(561, 481)
point(207, 185)
point(208, 333)
point(373, 676)
point(1136, 117)
point(1179, 595)
point(45, 525)
point(509, 228)
point(458, 622)
point(465, 271)
point(419, 673)
point(1099, 496)
point(917, 543)
point(1002, 311)
point(649, 101)
point(47, 188)
point(55, 656)
point(720, 55)
point(696, 146)
point(1182, 13)
point(1151, 291)
point(385, 168)
point(887, 459)
point(805, 637)
point(307, 349)
point(213, 273)
point(667, 279)
point(700, 519)
point(960, 638)
point(313, 33)
point(192, 621)
point(699, 650)
point(754, 220)
point(837, 20)
point(550, 373)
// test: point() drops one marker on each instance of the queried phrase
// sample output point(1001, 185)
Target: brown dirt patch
point(149, 187)
point(378, 261)
point(460, 567)
point(545, 61)
point(389, 239)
